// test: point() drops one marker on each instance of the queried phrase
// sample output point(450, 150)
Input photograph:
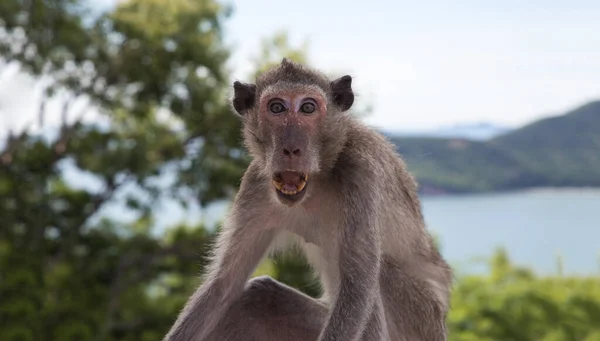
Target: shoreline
point(562, 189)
point(531, 190)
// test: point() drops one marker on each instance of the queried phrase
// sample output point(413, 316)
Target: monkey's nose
point(291, 152)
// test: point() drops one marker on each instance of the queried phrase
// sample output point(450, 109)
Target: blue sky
point(427, 63)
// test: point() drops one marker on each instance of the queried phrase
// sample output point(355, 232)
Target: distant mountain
point(553, 152)
point(479, 131)
point(564, 149)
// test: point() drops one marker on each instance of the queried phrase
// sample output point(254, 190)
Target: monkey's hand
point(359, 264)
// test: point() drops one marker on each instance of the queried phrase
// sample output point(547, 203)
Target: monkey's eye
point(308, 107)
point(276, 107)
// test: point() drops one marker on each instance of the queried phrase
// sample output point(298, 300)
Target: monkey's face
point(289, 119)
point(288, 125)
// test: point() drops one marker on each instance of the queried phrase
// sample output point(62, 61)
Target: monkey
point(320, 180)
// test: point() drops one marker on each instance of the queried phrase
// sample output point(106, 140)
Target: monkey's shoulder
point(369, 150)
point(370, 158)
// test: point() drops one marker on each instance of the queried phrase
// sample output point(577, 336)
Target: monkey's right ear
point(343, 95)
point(243, 97)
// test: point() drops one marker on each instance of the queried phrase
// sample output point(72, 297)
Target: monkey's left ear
point(343, 95)
point(243, 96)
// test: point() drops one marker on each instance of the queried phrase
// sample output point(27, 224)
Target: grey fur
point(359, 223)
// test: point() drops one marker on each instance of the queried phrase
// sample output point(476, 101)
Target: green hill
point(553, 152)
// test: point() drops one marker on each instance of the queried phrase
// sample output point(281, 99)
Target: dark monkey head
point(293, 120)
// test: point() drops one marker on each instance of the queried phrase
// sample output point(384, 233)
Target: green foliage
point(154, 71)
point(512, 303)
point(553, 152)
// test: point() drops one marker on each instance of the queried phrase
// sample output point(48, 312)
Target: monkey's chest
point(311, 230)
point(307, 237)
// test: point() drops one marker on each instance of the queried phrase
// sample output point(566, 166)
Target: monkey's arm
point(359, 262)
point(244, 239)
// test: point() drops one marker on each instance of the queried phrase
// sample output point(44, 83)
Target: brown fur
point(359, 223)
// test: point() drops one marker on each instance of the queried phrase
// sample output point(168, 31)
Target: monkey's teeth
point(302, 185)
point(278, 185)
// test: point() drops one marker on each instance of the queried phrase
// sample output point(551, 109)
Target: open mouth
point(290, 183)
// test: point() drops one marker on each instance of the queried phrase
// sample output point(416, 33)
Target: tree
point(154, 74)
